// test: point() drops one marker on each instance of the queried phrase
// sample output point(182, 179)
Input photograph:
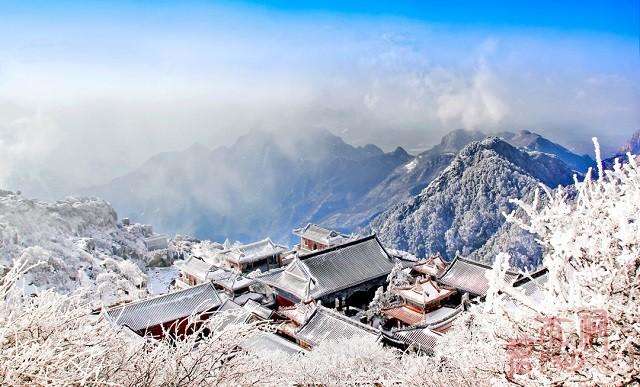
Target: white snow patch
point(160, 279)
point(411, 165)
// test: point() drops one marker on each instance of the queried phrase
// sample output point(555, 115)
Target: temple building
point(431, 267)
point(263, 255)
point(418, 302)
point(193, 271)
point(340, 275)
point(156, 242)
point(469, 277)
point(314, 324)
point(314, 238)
point(419, 339)
point(174, 314)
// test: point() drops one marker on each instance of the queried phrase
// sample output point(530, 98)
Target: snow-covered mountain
point(633, 145)
point(404, 182)
point(461, 210)
point(264, 184)
point(535, 142)
point(77, 243)
point(410, 179)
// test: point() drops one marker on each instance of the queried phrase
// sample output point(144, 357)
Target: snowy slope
point(404, 182)
point(535, 142)
point(77, 243)
point(462, 208)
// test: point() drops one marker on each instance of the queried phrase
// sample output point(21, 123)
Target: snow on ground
point(160, 279)
point(411, 165)
point(76, 243)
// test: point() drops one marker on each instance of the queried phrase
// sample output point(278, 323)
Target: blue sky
point(112, 83)
point(615, 17)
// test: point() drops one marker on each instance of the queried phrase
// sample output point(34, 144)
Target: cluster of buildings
point(320, 290)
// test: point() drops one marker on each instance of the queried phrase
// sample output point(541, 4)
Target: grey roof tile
point(469, 276)
point(333, 269)
point(423, 338)
point(262, 342)
point(165, 308)
point(328, 325)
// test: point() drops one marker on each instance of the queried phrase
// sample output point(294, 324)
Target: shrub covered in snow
point(78, 245)
point(583, 324)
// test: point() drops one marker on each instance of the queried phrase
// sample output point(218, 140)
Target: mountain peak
point(633, 145)
point(400, 152)
point(458, 138)
point(461, 210)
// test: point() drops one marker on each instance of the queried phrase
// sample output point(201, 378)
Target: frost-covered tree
point(583, 324)
point(399, 276)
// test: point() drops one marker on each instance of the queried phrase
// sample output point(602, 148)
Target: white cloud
point(93, 104)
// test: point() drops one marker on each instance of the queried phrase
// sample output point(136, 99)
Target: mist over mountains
point(266, 184)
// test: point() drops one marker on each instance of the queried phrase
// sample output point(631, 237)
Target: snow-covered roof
point(530, 287)
point(330, 270)
point(257, 309)
point(244, 297)
point(231, 313)
point(404, 314)
point(157, 242)
point(321, 235)
point(469, 276)
point(329, 325)
point(262, 342)
point(253, 252)
point(433, 266)
point(195, 267)
point(423, 338)
point(440, 316)
point(229, 280)
point(165, 308)
point(298, 313)
point(423, 292)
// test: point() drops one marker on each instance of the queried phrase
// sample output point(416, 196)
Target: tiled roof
point(253, 252)
point(404, 314)
point(422, 338)
point(245, 297)
point(469, 276)
point(432, 266)
point(331, 270)
point(168, 307)
point(423, 293)
point(230, 313)
point(299, 313)
point(262, 342)
point(530, 287)
point(195, 267)
point(229, 280)
point(257, 309)
point(433, 319)
point(320, 234)
point(438, 316)
point(328, 325)
point(157, 242)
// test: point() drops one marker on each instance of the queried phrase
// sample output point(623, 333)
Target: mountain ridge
point(461, 209)
point(267, 184)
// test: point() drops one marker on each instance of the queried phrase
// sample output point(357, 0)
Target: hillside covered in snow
point(461, 211)
point(75, 243)
point(267, 184)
